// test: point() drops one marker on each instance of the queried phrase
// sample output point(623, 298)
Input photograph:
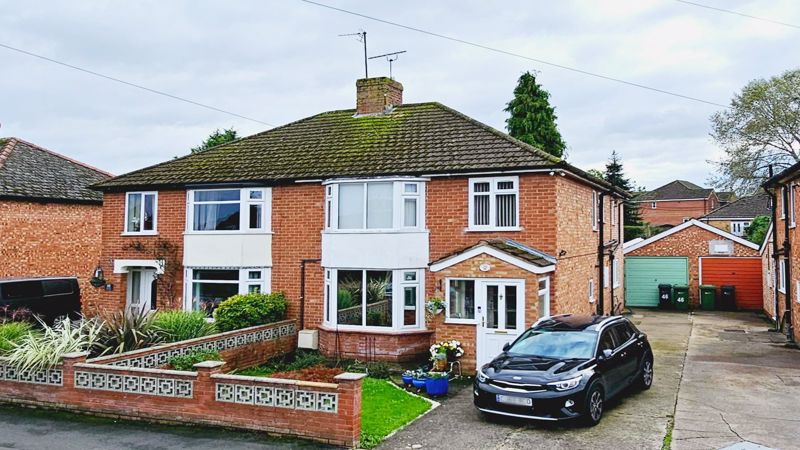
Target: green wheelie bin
point(680, 295)
point(708, 297)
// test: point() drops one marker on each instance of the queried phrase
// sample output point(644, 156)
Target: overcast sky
point(282, 61)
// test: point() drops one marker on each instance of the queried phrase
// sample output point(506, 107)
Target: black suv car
point(565, 367)
point(48, 298)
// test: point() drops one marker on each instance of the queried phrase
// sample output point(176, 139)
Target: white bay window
point(208, 287)
point(494, 203)
point(373, 299)
point(228, 210)
point(380, 205)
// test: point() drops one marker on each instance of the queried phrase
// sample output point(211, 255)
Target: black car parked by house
point(565, 367)
point(48, 298)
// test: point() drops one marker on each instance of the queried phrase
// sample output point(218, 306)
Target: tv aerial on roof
point(361, 36)
point(391, 57)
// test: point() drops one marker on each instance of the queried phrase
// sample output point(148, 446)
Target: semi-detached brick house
point(677, 202)
point(50, 221)
point(362, 215)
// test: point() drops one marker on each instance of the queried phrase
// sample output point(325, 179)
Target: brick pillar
point(349, 407)
point(68, 364)
point(204, 386)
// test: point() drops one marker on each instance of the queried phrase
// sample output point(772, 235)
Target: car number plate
point(512, 400)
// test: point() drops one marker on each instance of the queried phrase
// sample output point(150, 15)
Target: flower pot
point(418, 383)
point(407, 379)
point(440, 363)
point(437, 386)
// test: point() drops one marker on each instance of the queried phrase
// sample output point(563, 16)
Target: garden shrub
point(186, 362)
point(44, 350)
point(176, 325)
point(247, 310)
point(126, 330)
point(11, 333)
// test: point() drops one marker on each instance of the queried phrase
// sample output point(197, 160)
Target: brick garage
point(49, 220)
point(692, 240)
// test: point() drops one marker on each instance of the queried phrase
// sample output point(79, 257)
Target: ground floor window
point(373, 298)
point(208, 287)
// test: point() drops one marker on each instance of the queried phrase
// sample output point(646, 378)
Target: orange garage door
point(744, 273)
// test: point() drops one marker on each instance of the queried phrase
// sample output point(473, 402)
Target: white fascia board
point(122, 265)
point(767, 237)
point(522, 264)
point(685, 225)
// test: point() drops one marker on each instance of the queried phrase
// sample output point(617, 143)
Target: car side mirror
point(606, 354)
point(507, 346)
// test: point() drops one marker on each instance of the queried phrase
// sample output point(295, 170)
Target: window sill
point(491, 229)
point(460, 321)
point(373, 330)
point(782, 291)
point(146, 233)
point(377, 231)
point(226, 233)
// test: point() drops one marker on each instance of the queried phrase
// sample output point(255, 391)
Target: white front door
point(141, 289)
point(500, 313)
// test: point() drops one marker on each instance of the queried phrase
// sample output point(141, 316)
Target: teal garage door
point(643, 274)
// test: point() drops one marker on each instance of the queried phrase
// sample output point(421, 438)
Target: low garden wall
point(131, 385)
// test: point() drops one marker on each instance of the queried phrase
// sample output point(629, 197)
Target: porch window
point(384, 299)
point(214, 210)
point(461, 300)
point(543, 307)
point(493, 203)
point(141, 209)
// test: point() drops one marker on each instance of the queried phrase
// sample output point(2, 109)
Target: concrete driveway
point(727, 393)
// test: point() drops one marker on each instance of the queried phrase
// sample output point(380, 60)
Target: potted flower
point(445, 351)
point(437, 383)
point(419, 380)
point(435, 305)
point(408, 377)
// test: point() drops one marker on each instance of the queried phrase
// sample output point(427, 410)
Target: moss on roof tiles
point(421, 138)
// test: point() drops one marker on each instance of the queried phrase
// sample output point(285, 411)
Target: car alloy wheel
point(596, 405)
point(647, 373)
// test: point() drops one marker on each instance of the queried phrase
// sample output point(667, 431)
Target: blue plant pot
point(437, 386)
point(407, 379)
point(419, 383)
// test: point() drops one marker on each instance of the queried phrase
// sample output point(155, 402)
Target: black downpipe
point(775, 256)
point(303, 263)
point(787, 256)
point(601, 247)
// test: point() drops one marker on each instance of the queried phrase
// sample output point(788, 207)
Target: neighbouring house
point(783, 274)
point(50, 221)
point(360, 216)
point(726, 197)
point(676, 202)
point(693, 253)
point(736, 216)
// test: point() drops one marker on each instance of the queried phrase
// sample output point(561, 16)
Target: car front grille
point(517, 387)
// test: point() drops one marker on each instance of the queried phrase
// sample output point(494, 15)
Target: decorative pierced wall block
point(52, 377)
point(277, 397)
point(162, 387)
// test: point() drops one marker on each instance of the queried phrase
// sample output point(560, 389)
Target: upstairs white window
point(595, 208)
point(738, 228)
point(494, 203)
point(374, 205)
point(141, 211)
point(782, 276)
point(791, 206)
point(229, 210)
point(653, 205)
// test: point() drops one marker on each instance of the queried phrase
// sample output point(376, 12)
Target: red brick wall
point(171, 222)
point(372, 346)
point(691, 242)
point(50, 239)
point(674, 212)
point(794, 267)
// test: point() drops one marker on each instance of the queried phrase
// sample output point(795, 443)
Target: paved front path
point(637, 421)
point(741, 383)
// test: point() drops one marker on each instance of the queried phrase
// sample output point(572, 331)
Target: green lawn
point(385, 408)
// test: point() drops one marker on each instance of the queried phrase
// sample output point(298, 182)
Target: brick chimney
point(376, 95)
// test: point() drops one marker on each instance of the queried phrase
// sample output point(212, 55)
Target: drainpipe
point(787, 256)
point(600, 253)
point(773, 198)
point(303, 263)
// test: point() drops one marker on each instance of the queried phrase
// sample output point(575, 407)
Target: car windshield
point(555, 344)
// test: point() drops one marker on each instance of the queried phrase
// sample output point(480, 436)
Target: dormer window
point(379, 205)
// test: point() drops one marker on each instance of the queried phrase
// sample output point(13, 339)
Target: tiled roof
point(511, 247)
point(743, 208)
point(28, 171)
point(676, 190)
point(413, 139)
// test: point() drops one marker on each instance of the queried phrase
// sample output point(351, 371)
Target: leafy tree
point(533, 120)
point(216, 138)
point(757, 230)
point(762, 127)
point(615, 175)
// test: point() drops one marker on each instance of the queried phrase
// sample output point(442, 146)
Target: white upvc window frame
point(492, 194)
point(615, 278)
point(591, 290)
point(141, 232)
point(244, 283)
point(741, 224)
point(459, 320)
point(782, 276)
point(614, 213)
point(330, 312)
point(399, 197)
point(783, 202)
point(244, 203)
point(653, 205)
point(595, 210)
point(792, 222)
point(797, 291)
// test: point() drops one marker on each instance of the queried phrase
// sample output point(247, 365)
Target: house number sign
point(484, 267)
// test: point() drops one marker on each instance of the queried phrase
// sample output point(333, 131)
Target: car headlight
point(566, 384)
point(481, 376)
